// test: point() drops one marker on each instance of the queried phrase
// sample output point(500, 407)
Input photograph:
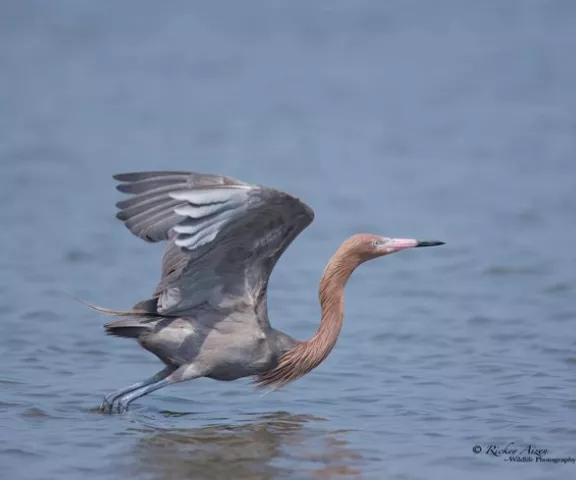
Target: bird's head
point(366, 246)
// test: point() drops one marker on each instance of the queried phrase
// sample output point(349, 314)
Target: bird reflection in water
point(254, 450)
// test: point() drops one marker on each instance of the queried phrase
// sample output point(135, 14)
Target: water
point(447, 120)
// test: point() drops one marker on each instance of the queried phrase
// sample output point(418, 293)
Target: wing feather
point(225, 235)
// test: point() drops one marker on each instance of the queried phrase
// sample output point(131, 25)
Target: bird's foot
point(105, 407)
point(121, 407)
point(113, 406)
point(107, 403)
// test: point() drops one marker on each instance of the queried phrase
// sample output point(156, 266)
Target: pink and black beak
point(397, 244)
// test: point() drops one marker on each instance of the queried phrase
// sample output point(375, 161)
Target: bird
point(208, 315)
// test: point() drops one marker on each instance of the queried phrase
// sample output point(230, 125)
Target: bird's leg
point(112, 397)
point(183, 373)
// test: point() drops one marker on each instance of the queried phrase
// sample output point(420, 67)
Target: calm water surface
point(449, 120)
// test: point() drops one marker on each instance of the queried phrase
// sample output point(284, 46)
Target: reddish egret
point(208, 315)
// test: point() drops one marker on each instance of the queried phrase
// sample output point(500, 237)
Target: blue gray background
point(452, 120)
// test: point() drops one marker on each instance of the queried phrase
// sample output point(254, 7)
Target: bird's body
point(208, 315)
point(229, 351)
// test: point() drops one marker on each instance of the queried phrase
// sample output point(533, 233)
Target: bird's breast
point(241, 355)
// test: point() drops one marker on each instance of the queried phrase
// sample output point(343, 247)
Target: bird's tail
point(137, 321)
point(129, 327)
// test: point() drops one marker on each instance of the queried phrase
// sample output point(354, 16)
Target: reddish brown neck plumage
point(306, 356)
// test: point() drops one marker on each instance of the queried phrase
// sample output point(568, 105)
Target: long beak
point(403, 243)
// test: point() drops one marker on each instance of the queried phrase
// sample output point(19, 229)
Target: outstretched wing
point(225, 236)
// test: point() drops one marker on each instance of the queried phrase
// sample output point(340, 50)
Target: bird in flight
point(208, 315)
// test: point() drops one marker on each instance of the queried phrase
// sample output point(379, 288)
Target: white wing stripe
point(195, 241)
point(208, 212)
point(204, 196)
point(199, 212)
point(194, 229)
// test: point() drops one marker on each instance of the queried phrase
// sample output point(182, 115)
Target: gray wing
point(225, 236)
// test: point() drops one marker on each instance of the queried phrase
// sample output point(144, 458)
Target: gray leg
point(183, 373)
point(112, 397)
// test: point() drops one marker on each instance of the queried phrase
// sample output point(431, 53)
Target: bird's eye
point(376, 243)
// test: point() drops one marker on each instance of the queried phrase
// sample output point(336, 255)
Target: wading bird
point(208, 315)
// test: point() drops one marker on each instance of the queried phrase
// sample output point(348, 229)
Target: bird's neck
point(305, 356)
point(331, 293)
